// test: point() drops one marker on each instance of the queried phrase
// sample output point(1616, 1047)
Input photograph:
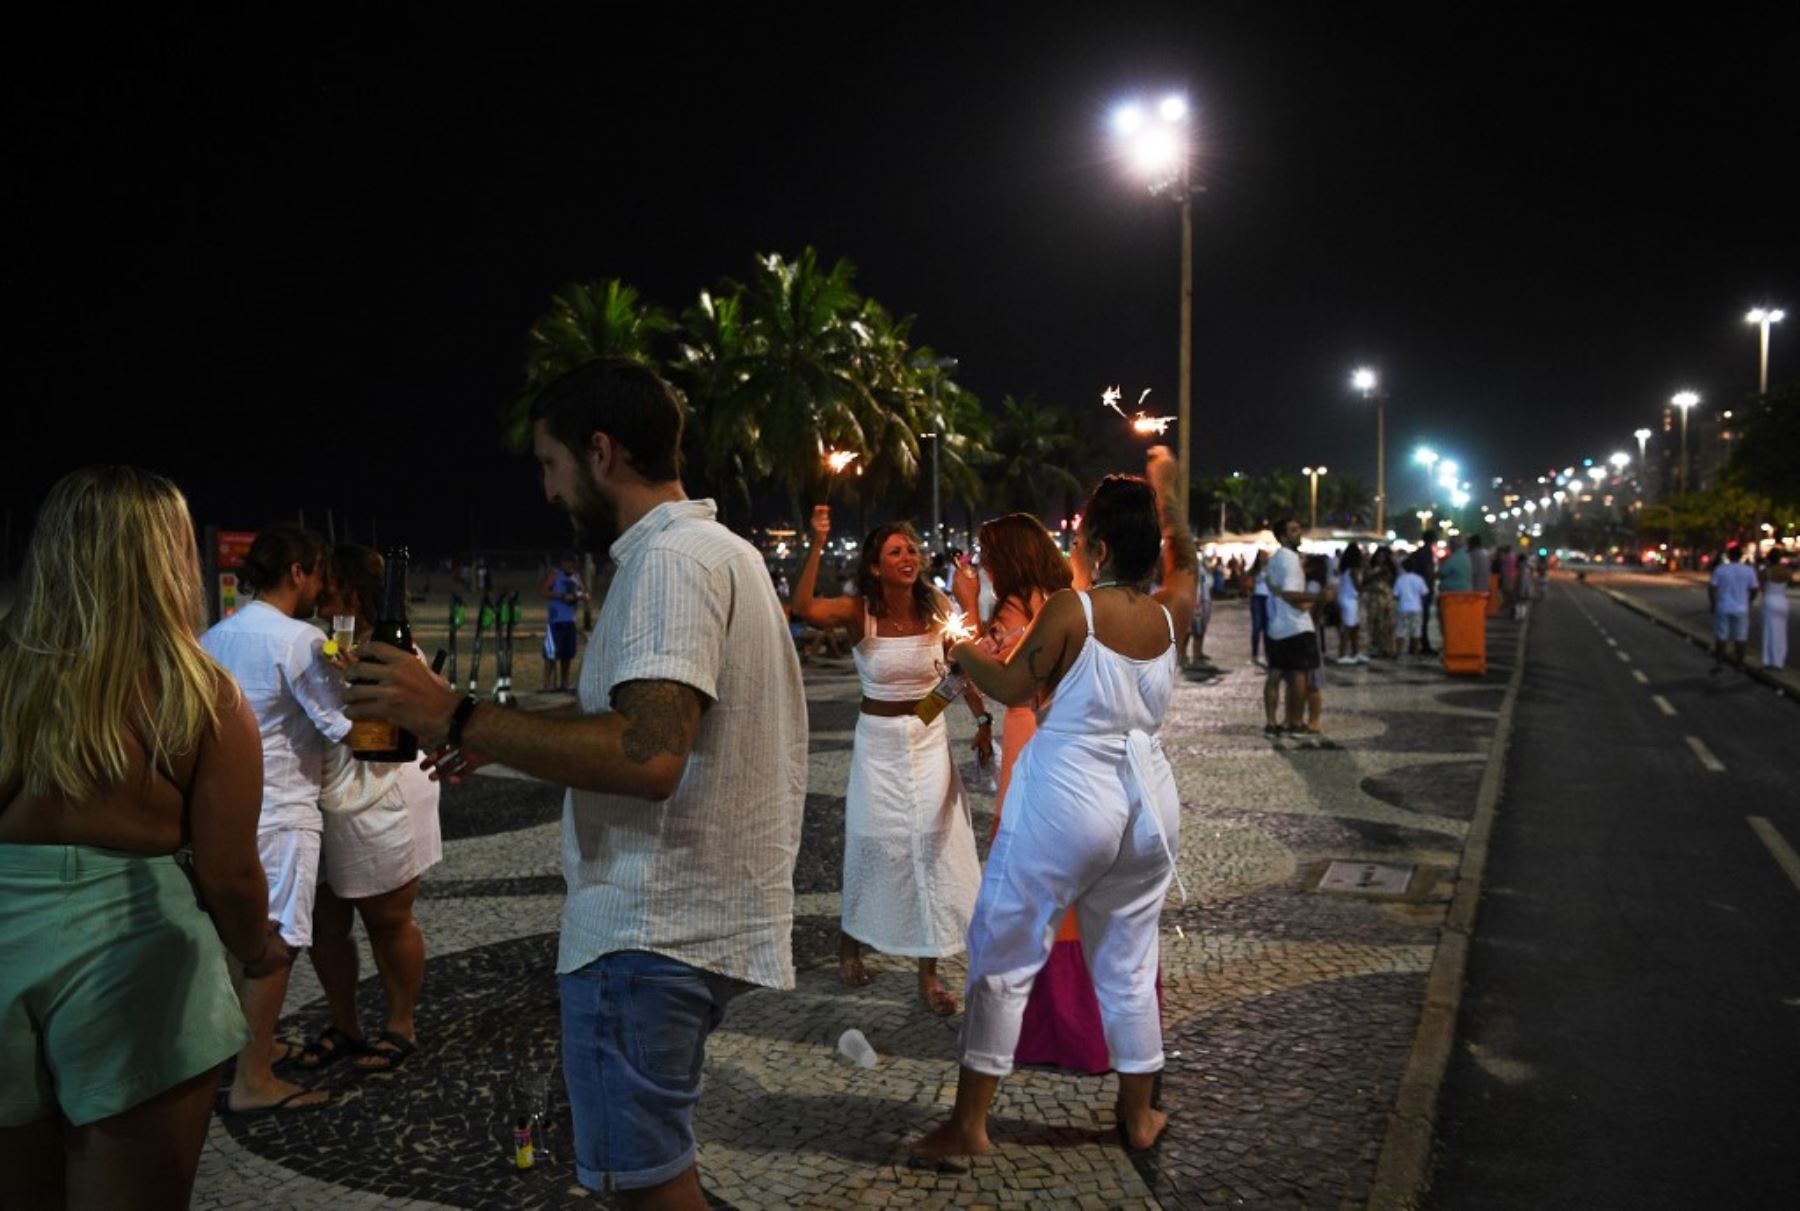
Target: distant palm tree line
point(794, 361)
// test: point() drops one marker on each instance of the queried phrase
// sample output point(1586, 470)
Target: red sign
point(233, 547)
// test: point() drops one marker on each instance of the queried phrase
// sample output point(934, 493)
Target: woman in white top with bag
point(381, 834)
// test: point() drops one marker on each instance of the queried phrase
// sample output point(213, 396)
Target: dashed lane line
point(1784, 853)
point(1706, 755)
point(1663, 704)
point(1623, 656)
point(1642, 677)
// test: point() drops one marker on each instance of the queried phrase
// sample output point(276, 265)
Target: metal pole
point(1684, 459)
point(1380, 464)
point(1186, 410)
point(1762, 378)
point(1315, 500)
point(937, 440)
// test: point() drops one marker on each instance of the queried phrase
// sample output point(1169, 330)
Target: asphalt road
point(1685, 600)
point(1630, 1031)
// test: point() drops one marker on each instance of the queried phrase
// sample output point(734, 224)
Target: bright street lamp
point(1620, 460)
point(1684, 400)
point(1157, 144)
point(1314, 472)
point(1763, 317)
point(1364, 381)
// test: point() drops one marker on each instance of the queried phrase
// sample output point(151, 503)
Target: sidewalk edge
point(1403, 1171)
point(1783, 683)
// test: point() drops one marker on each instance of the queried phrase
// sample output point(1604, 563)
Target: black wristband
point(458, 718)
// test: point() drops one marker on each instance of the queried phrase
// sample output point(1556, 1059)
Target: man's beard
point(595, 519)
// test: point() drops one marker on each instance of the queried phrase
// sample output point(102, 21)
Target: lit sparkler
point(1144, 426)
point(956, 628)
point(835, 463)
point(1110, 398)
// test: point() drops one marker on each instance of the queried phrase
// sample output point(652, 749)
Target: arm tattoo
point(1031, 666)
point(660, 717)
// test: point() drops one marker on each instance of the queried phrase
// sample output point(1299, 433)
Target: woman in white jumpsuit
point(1091, 818)
point(1776, 576)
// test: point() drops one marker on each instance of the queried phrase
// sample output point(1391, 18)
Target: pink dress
point(1062, 1018)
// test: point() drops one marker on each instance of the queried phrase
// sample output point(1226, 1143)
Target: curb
point(1783, 684)
point(1403, 1171)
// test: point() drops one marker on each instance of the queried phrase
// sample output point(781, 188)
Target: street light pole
point(1364, 381)
point(1763, 317)
point(937, 366)
point(1186, 409)
point(1314, 473)
point(1684, 400)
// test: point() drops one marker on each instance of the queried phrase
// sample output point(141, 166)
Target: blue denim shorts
point(635, 1026)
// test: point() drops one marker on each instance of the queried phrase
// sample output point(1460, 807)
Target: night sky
point(291, 261)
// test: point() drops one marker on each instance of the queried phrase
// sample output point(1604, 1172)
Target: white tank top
point(901, 668)
point(1105, 692)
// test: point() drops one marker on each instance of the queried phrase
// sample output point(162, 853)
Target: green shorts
point(113, 985)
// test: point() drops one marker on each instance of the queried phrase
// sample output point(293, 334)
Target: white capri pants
point(1076, 829)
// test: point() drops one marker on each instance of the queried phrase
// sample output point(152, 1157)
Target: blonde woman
point(122, 746)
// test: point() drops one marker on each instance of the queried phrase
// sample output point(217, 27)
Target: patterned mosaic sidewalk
point(1288, 1013)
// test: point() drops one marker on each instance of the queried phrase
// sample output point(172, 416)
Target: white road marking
point(1663, 704)
point(1642, 678)
point(1611, 642)
point(1706, 755)
point(1784, 853)
point(1623, 656)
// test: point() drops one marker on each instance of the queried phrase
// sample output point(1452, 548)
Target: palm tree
point(798, 391)
point(708, 369)
point(585, 322)
point(1033, 449)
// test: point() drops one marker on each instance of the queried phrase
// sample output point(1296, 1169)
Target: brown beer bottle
point(370, 739)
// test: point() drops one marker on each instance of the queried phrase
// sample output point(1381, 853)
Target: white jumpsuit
point(1091, 819)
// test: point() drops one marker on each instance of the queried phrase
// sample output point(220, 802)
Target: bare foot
point(851, 972)
point(936, 998)
point(948, 1140)
point(1144, 1130)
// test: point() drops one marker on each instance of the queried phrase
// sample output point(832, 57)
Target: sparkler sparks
point(1109, 398)
point(1146, 425)
point(956, 627)
point(837, 460)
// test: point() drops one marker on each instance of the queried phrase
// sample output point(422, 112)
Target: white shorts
point(386, 846)
point(290, 858)
point(1349, 612)
point(1409, 626)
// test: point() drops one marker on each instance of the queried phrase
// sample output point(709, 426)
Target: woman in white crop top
point(910, 869)
point(1092, 819)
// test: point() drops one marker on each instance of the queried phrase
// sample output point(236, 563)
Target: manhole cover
point(1367, 878)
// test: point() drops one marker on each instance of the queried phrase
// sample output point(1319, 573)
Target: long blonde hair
point(102, 644)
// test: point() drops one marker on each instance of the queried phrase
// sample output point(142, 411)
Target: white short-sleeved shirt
point(1409, 593)
point(1286, 575)
point(1734, 582)
point(705, 876)
point(297, 700)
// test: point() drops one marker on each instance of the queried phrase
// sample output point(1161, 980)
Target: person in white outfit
point(1776, 576)
point(910, 867)
point(1091, 819)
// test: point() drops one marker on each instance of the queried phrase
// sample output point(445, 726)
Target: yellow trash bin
point(1463, 617)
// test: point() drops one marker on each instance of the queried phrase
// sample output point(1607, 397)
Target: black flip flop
point(331, 1046)
point(223, 1106)
point(397, 1051)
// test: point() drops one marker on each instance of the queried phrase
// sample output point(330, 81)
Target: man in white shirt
point(274, 657)
point(1731, 590)
point(686, 765)
point(1293, 644)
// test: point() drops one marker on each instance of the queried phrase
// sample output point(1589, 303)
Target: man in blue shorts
point(686, 769)
point(1732, 588)
point(563, 591)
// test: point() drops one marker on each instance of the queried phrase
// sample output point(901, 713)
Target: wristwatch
point(984, 721)
point(464, 709)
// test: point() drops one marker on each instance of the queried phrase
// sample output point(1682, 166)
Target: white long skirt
point(910, 870)
point(1775, 627)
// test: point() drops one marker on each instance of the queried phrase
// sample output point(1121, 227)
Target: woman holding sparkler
point(1062, 1017)
point(910, 870)
point(1092, 816)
